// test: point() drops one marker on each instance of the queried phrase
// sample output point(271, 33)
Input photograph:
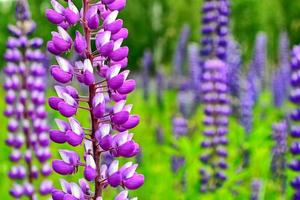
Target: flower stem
point(92, 93)
point(26, 116)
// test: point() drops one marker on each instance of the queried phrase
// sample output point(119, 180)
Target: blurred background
point(169, 161)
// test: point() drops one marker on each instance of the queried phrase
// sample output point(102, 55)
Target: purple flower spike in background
point(180, 54)
point(278, 165)
point(280, 86)
point(256, 187)
point(25, 98)
point(257, 69)
point(101, 70)
point(147, 63)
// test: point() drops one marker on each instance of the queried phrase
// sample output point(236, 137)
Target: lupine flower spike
point(147, 63)
point(294, 164)
point(180, 54)
point(278, 165)
point(100, 70)
point(25, 100)
point(215, 94)
point(280, 86)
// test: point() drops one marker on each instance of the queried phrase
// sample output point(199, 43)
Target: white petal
point(122, 138)
point(60, 124)
point(104, 129)
point(88, 65)
point(73, 7)
point(75, 126)
point(64, 154)
point(128, 164)
point(98, 98)
point(69, 99)
point(88, 145)
point(118, 44)
point(103, 170)
point(113, 167)
point(79, 65)
point(111, 17)
point(118, 107)
point(59, 90)
point(128, 107)
point(64, 34)
point(103, 37)
point(132, 171)
point(90, 161)
point(57, 6)
point(76, 190)
point(64, 185)
point(63, 64)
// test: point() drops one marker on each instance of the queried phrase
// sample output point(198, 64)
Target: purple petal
point(136, 181)
point(62, 168)
point(54, 16)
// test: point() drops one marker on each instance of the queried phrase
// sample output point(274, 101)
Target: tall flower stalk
point(215, 93)
point(147, 62)
point(278, 165)
point(258, 63)
point(180, 54)
point(99, 69)
point(25, 99)
point(294, 165)
point(280, 86)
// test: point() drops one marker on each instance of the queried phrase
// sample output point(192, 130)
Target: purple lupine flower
point(160, 86)
point(278, 153)
point(216, 111)
point(258, 63)
point(247, 105)
point(214, 88)
point(25, 98)
point(99, 69)
point(234, 67)
point(294, 165)
point(280, 86)
point(180, 127)
point(195, 71)
point(180, 54)
point(177, 163)
point(256, 186)
point(147, 63)
point(185, 100)
point(159, 135)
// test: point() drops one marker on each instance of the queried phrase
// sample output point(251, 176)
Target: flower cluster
point(279, 84)
point(180, 53)
point(25, 99)
point(256, 186)
point(217, 110)
point(295, 117)
point(194, 71)
point(160, 86)
point(279, 150)
point(234, 62)
point(214, 30)
point(247, 101)
point(99, 69)
point(215, 93)
point(258, 63)
point(147, 63)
